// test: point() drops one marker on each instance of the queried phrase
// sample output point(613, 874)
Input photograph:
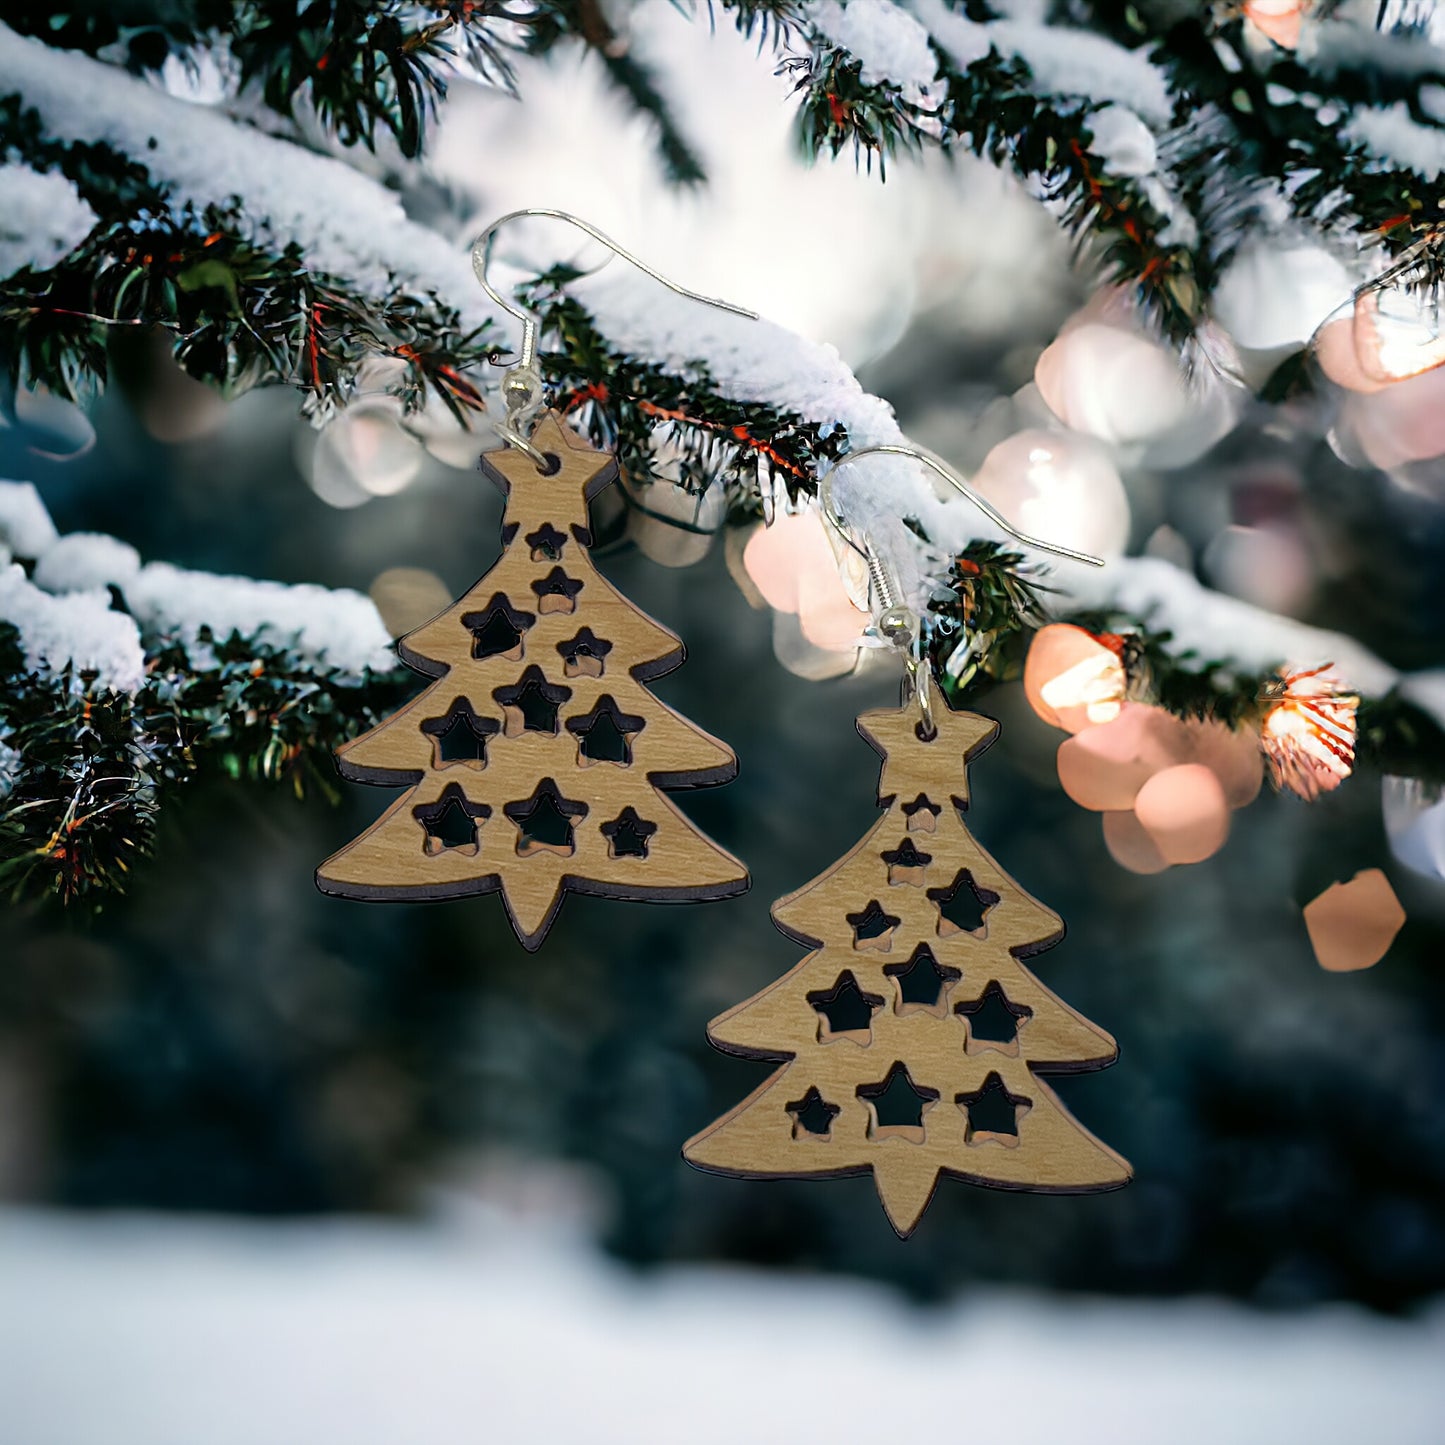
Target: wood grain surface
point(914, 1048)
point(534, 762)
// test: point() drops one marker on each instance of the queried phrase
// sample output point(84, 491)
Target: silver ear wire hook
point(897, 622)
point(522, 386)
point(960, 486)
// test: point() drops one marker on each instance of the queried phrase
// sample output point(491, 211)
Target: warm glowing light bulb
point(1308, 735)
point(1097, 684)
point(1396, 336)
point(1278, 19)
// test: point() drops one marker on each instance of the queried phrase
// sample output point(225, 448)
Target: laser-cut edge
point(786, 1058)
point(660, 780)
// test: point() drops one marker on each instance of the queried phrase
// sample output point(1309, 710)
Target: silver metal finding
point(897, 622)
point(522, 386)
point(936, 464)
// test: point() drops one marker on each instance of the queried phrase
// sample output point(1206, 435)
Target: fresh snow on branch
point(42, 219)
point(77, 628)
point(890, 44)
point(756, 361)
point(1214, 626)
point(25, 526)
point(83, 561)
point(1397, 141)
point(349, 225)
point(1130, 93)
point(64, 616)
point(336, 628)
point(346, 224)
point(1073, 63)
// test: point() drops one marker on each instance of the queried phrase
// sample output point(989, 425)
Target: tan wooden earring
point(536, 759)
point(914, 1039)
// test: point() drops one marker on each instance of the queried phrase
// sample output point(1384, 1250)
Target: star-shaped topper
point(872, 928)
point(913, 764)
point(896, 1105)
point(628, 834)
point(557, 592)
point(530, 705)
point(993, 1021)
point(545, 821)
point(923, 983)
point(497, 629)
point(452, 822)
point(584, 655)
point(813, 1115)
point(460, 736)
point(845, 1011)
point(963, 906)
point(561, 493)
point(993, 1113)
point(605, 734)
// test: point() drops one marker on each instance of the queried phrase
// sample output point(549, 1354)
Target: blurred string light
point(794, 567)
point(1105, 376)
point(1073, 679)
point(1062, 488)
point(1308, 732)
point(1130, 758)
point(1389, 334)
point(1352, 924)
point(1278, 21)
point(363, 452)
point(1269, 566)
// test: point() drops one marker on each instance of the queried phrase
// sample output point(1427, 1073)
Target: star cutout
point(906, 865)
point(460, 737)
point(872, 928)
point(557, 592)
point(993, 1114)
point(813, 1116)
point(897, 1105)
point(452, 822)
point(993, 1021)
point(530, 706)
point(922, 814)
point(963, 906)
point(584, 655)
point(546, 543)
point(923, 983)
point(545, 821)
point(628, 834)
point(845, 1011)
point(604, 735)
point(497, 630)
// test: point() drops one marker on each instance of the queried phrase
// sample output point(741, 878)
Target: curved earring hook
point(897, 622)
point(482, 260)
point(825, 495)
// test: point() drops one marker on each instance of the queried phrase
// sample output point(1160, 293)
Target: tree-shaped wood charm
point(915, 1038)
point(536, 759)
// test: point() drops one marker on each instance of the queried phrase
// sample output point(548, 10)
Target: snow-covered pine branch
point(343, 221)
point(67, 621)
point(121, 681)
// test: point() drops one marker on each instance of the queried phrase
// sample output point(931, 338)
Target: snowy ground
point(143, 1330)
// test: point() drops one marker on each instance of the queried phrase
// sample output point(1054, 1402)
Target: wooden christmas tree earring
point(913, 1040)
point(535, 760)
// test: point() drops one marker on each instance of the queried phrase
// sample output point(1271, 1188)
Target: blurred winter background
point(281, 1168)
